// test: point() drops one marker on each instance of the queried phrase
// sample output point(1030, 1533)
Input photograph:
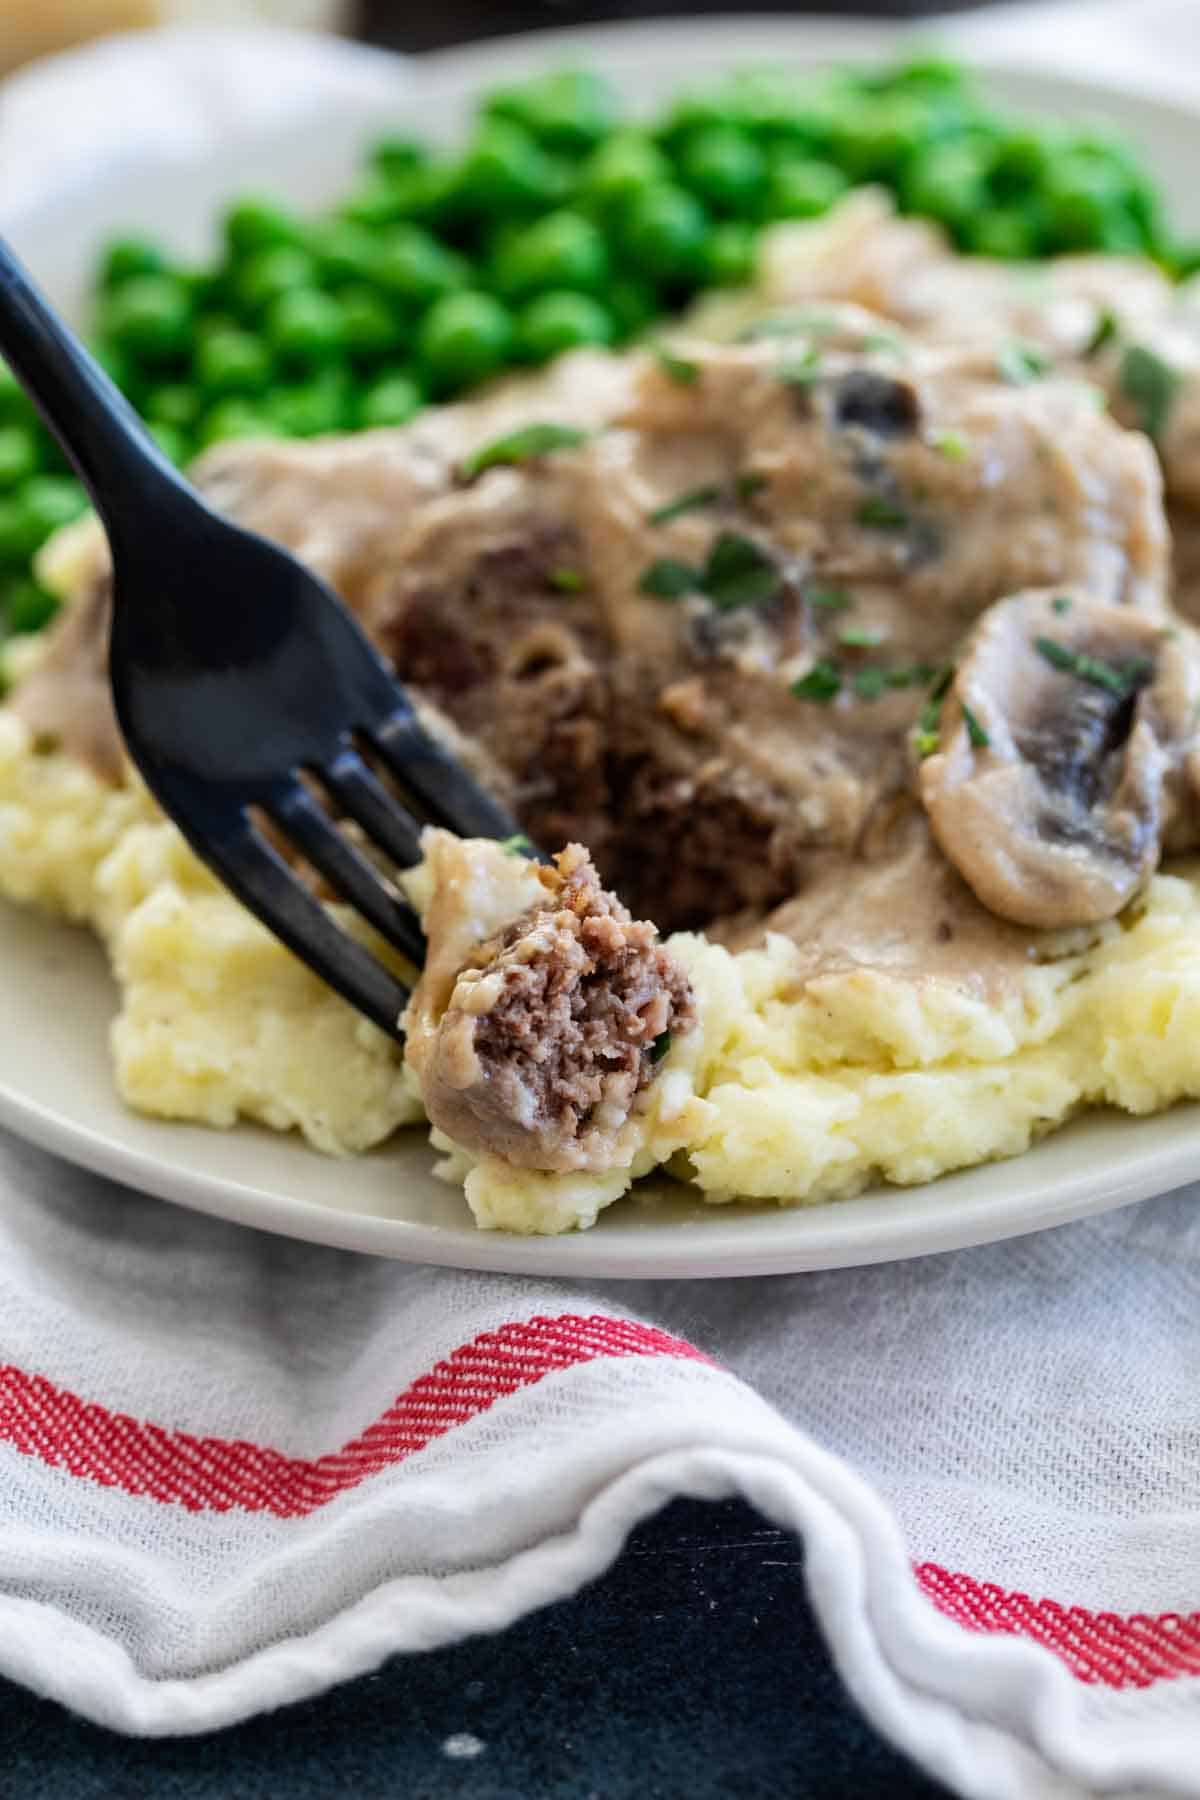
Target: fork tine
point(450, 796)
point(260, 878)
point(369, 804)
point(346, 869)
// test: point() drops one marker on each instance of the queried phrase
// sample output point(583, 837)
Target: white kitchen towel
point(235, 1470)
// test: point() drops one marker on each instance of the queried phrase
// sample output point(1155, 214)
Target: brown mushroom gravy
point(771, 641)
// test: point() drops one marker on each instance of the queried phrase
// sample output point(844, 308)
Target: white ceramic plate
point(56, 997)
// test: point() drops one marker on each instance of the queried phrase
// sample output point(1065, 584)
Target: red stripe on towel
point(1117, 1650)
point(220, 1475)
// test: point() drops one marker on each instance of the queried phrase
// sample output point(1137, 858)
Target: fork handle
point(117, 460)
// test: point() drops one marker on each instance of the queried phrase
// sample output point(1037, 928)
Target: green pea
point(19, 455)
point(28, 608)
point(369, 326)
point(1007, 232)
point(724, 166)
point(423, 193)
point(1185, 260)
point(463, 338)
point(264, 278)
point(730, 254)
point(397, 155)
point(803, 188)
point(205, 288)
point(1016, 165)
point(379, 200)
point(414, 268)
point(563, 250)
point(118, 366)
point(172, 404)
point(312, 408)
point(393, 400)
point(232, 362)
point(633, 304)
point(626, 162)
point(129, 256)
point(233, 418)
point(873, 141)
point(561, 321)
point(1085, 206)
point(947, 183)
point(53, 500)
point(15, 403)
point(934, 74)
point(812, 127)
point(148, 317)
point(568, 110)
point(700, 110)
point(34, 512)
point(343, 250)
point(170, 439)
point(305, 327)
point(253, 224)
point(505, 170)
point(662, 232)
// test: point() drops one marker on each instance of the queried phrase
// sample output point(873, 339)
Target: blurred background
point(30, 28)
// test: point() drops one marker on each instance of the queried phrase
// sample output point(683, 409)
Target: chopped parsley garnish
point(822, 683)
point(799, 371)
point(1150, 384)
point(1021, 363)
point(1105, 332)
point(567, 581)
point(952, 445)
point(884, 341)
point(927, 737)
point(832, 599)
point(679, 368)
point(919, 675)
point(660, 1046)
point(708, 495)
point(881, 513)
point(975, 731)
point(517, 845)
point(668, 579)
point(1061, 603)
point(685, 503)
point(860, 637)
point(520, 446)
point(1117, 678)
point(870, 683)
point(738, 573)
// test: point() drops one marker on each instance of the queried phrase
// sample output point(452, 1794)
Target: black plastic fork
point(243, 687)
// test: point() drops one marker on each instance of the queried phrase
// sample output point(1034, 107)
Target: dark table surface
point(692, 1669)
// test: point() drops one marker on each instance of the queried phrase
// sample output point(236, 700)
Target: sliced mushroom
point(880, 404)
point(1067, 758)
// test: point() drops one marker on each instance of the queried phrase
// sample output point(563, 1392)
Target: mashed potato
point(218, 1022)
point(779, 1095)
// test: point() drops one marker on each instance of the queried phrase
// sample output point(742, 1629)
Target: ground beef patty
point(554, 1027)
